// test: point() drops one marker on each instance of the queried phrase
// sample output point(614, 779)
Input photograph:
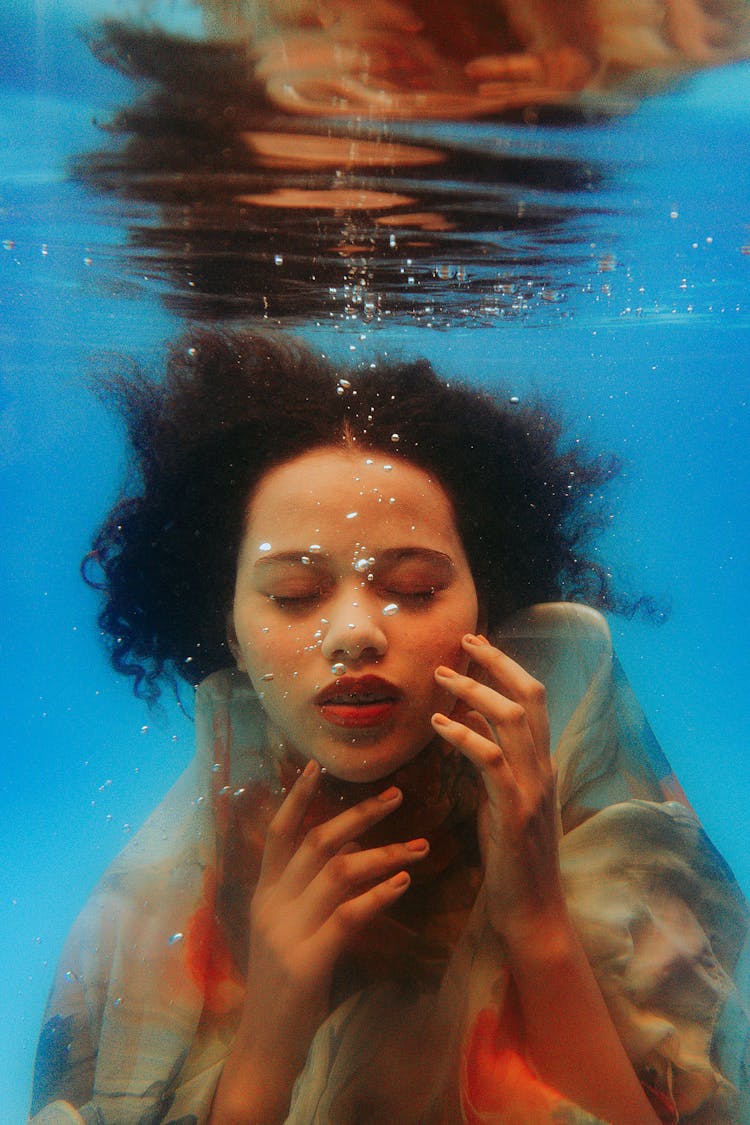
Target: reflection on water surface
point(438, 162)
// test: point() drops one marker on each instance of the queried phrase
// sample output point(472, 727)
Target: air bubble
point(351, 515)
point(363, 565)
point(117, 1002)
point(305, 560)
point(267, 677)
point(264, 547)
point(278, 259)
point(390, 609)
point(395, 438)
point(338, 669)
point(387, 468)
point(514, 399)
point(178, 936)
point(314, 547)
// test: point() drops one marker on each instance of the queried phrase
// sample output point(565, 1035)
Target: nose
point(353, 629)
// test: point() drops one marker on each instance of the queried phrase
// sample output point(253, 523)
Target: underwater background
point(627, 301)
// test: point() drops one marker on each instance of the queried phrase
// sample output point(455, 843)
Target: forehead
point(353, 497)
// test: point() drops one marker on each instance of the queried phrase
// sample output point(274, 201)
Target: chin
point(359, 763)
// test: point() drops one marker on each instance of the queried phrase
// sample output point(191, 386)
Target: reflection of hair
point(234, 405)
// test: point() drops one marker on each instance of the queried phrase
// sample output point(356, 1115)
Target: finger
point(281, 838)
point(514, 682)
point(476, 721)
point(356, 914)
point(507, 718)
point(326, 840)
point(349, 874)
point(489, 758)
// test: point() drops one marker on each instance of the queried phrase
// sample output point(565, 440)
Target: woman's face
point(352, 586)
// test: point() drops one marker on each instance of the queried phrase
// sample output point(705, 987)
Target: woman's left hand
point(503, 728)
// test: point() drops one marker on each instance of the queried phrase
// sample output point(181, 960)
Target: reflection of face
point(352, 586)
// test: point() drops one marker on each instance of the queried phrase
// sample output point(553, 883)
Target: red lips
point(358, 701)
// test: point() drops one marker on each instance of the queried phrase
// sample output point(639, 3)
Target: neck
point(439, 786)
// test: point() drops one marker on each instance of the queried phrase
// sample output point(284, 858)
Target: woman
point(372, 897)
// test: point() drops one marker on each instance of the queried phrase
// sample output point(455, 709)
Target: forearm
point(250, 1093)
point(570, 1035)
point(267, 1056)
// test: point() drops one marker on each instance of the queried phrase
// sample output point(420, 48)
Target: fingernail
point(389, 795)
point(417, 845)
point(400, 880)
point(446, 673)
point(310, 769)
point(478, 639)
point(440, 720)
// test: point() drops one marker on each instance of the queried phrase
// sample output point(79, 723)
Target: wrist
point(543, 939)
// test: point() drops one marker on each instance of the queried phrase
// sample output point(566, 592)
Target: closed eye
point(295, 601)
point(415, 597)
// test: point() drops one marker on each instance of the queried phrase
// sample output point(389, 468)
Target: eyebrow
point(391, 556)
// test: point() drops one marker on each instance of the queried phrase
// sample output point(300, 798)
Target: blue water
point(648, 359)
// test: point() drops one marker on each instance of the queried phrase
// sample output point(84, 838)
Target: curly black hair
point(235, 404)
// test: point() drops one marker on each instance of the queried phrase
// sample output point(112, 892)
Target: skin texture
point(319, 890)
point(295, 621)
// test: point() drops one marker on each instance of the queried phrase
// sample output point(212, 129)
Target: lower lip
point(364, 715)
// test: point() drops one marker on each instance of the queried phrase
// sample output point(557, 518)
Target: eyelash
point(287, 601)
point(416, 597)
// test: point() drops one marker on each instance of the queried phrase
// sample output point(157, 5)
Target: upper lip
point(347, 689)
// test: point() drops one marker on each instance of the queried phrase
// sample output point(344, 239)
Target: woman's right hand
point(313, 896)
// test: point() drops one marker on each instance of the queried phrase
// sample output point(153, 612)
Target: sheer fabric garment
point(423, 1027)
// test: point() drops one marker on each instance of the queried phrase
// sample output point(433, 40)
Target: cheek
point(280, 648)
